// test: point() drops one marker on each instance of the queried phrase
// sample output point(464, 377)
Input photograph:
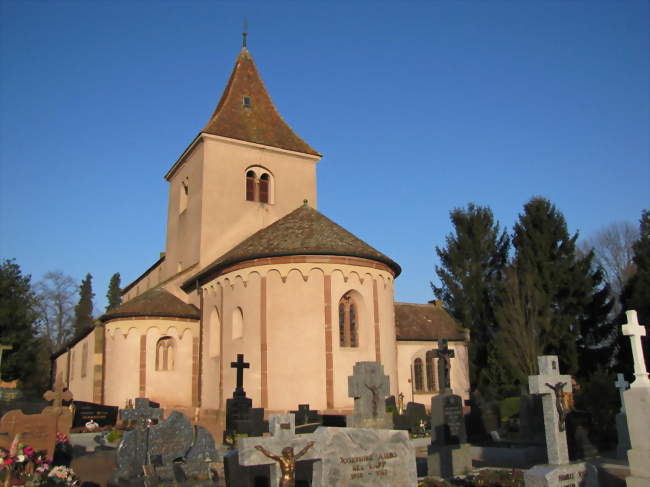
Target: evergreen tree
point(472, 264)
point(83, 312)
point(636, 294)
point(114, 294)
point(18, 317)
point(571, 300)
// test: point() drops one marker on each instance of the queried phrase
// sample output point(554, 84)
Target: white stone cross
point(549, 377)
point(635, 332)
point(283, 435)
point(369, 387)
point(621, 384)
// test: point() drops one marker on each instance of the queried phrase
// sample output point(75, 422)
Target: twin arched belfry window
point(419, 374)
point(165, 353)
point(258, 185)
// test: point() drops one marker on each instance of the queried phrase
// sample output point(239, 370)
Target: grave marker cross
point(240, 365)
point(369, 387)
point(58, 395)
point(255, 450)
point(549, 373)
point(141, 413)
point(621, 384)
point(444, 356)
point(635, 332)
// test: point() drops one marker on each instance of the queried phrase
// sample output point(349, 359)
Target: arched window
point(348, 322)
point(417, 375)
point(250, 186)
point(431, 375)
point(237, 323)
point(259, 188)
point(264, 188)
point(165, 353)
point(184, 191)
point(84, 359)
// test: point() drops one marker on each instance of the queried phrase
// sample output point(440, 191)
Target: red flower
point(28, 450)
point(9, 461)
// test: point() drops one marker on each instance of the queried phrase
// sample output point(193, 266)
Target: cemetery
point(265, 347)
point(379, 444)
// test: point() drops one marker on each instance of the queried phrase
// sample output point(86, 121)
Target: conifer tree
point(472, 264)
point(18, 317)
point(571, 300)
point(83, 312)
point(636, 294)
point(114, 294)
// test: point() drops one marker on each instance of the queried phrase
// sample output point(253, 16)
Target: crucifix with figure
point(444, 356)
point(282, 450)
point(550, 385)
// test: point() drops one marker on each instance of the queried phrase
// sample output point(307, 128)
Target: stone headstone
point(57, 408)
point(307, 420)
point(132, 454)
point(416, 417)
point(175, 451)
point(369, 387)
point(449, 454)
point(36, 430)
point(558, 472)
point(99, 413)
point(531, 419)
point(260, 451)
point(637, 408)
point(355, 457)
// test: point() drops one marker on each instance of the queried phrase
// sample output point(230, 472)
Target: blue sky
point(418, 108)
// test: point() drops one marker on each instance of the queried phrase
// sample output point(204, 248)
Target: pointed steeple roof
point(246, 111)
point(304, 231)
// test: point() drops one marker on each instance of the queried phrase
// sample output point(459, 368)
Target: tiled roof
point(260, 122)
point(155, 302)
point(425, 322)
point(304, 231)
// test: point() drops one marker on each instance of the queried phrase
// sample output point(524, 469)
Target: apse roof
point(304, 231)
point(425, 322)
point(246, 111)
point(156, 302)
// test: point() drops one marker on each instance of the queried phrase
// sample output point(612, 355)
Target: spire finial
point(245, 32)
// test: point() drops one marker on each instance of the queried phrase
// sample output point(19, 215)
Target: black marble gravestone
point(241, 417)
point(90, 411)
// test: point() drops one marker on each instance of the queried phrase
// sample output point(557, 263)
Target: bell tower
point(245, 169)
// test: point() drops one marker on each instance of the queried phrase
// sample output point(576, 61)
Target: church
point(252, 267)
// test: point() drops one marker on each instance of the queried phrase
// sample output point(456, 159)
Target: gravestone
point(449, 454)
point(362, 457)
point(622, 432)
point(57, 408)
point(36, 430)
point(90, 411)
point(369, 387)
point(283, 450)
point(637, 407)
point(416, 417)
point(175, 447)
point(307, 420)
point(132, 454)
point(241, 417)
point(558, 472)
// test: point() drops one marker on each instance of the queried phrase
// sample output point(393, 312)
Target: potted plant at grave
point(62, 476)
